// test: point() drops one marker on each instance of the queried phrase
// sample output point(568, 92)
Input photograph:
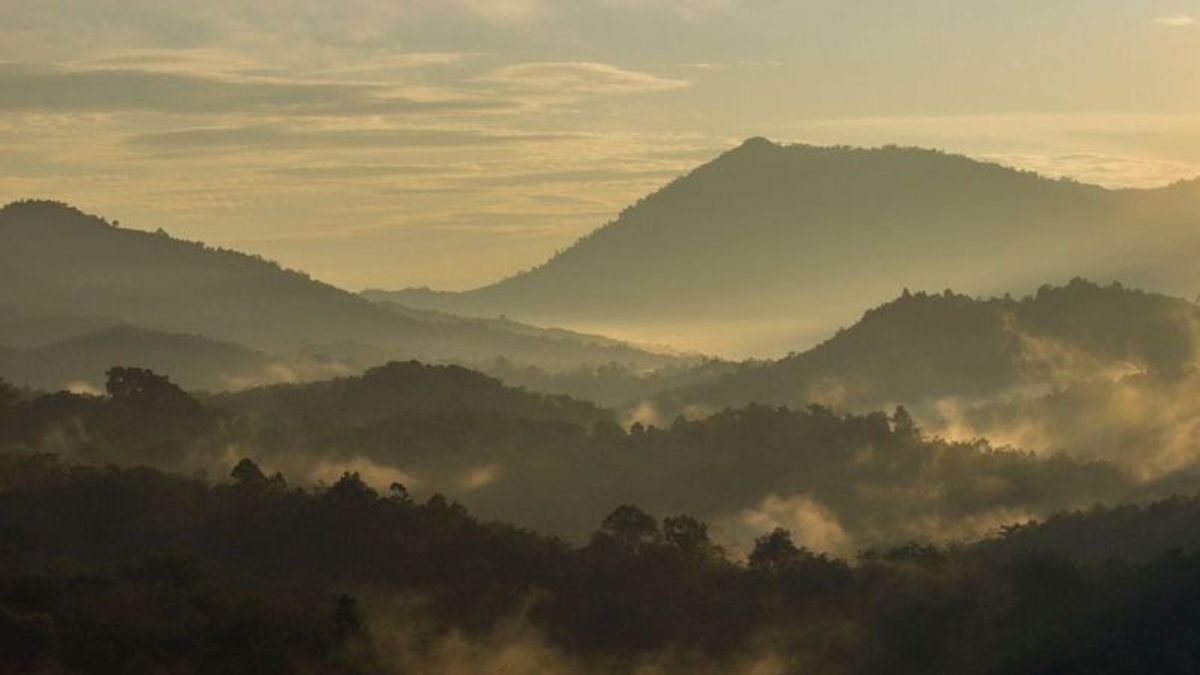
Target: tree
point(8, 394)
point(247, 474)
point(903, 423)
point(399, 494)
point(351, 490)
point(775, 553)
point(146, 389)
point(630, 529)
point(690, 537)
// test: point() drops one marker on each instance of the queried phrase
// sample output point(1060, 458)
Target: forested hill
point(57, 262)
point(408, 388)
point(768, 231)
point(921, 347)
point(135, 571)
point(81, 361)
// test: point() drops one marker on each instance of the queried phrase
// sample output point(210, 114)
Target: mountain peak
point(47, 213)
point(758, 143)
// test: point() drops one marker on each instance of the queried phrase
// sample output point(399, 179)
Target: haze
point(600, 337)
point(450, 144)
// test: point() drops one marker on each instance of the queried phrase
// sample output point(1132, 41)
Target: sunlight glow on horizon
point(451, 144)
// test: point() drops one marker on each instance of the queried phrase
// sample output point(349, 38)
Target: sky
point(450, 143)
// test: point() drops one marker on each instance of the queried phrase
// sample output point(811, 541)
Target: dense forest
point(951, 484)
point(136, 571)
point(488, 337)
point(922, 347)
point(841, 481)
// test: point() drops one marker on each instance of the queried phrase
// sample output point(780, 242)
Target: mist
point(474, 337)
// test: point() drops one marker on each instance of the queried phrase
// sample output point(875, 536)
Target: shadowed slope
point(806, 232)
point(56, 261)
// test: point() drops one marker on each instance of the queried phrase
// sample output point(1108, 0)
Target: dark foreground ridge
point(135, 571)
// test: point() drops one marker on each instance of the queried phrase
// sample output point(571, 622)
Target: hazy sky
point(452, 142)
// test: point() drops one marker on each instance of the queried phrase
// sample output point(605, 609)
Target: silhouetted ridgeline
point(81, 361)
point(132, 570)
point(922, 347)
point(765, 232)
point(406, 388)
point(59, 264)
point(839, 481)
point(1101, 372)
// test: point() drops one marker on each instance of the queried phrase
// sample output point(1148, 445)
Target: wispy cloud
point(577, 78)
point(278, 138)
point(1175, 21)
point(502, 11)
point(39, 88)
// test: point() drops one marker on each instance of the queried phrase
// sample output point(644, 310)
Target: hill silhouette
point(131, 570)
point(767, 233)
point(405, 388)
point(58, 262)
point(81, 361)
point(921, 347)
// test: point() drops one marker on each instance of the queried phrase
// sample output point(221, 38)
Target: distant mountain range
point(65, 275)
point(776, 244)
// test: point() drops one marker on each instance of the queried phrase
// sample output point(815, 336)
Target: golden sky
point(452, 142)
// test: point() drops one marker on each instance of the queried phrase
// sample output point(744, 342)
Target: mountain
point(81, 361)
point(769, 244)
point(921, 348)
point(58, 262)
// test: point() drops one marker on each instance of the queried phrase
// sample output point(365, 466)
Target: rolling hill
point(406, 388)
point(924, 347)
point(59, 266)
point(769, 245)
point(81, 362)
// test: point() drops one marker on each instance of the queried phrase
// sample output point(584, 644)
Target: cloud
point(689, 9)
point(194, 60)
point(479, 477)
point(577, 77)
point(343, 171)
point(478, 179)
point(501, 11)
point(38, 88)
point(1175, 21)
point(811, 523)
point(278, 137)
point(392, 63)
point(378, 476)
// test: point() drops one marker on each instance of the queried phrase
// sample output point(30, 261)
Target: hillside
point(776, 244)
point(841, 482)
point(131, 570)
point(58, 262)
point(922, 347)
point(409, 388)
point(81, 361)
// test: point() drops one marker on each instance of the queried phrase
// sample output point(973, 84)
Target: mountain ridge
point(921, 347)
point(57, 261)
point(765, 231)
